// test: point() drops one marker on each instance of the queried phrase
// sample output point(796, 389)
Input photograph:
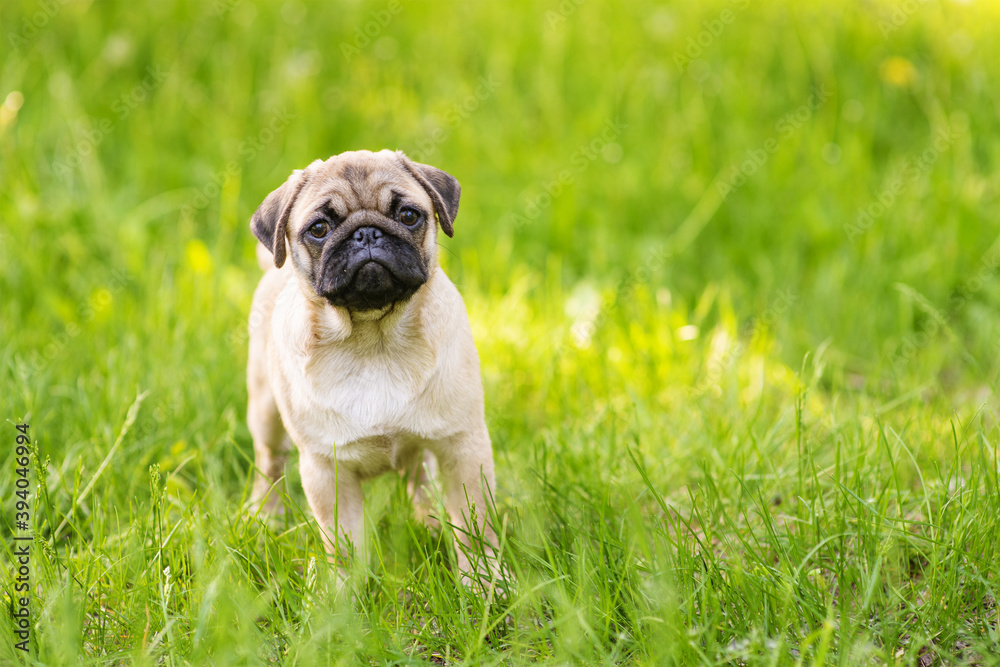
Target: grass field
point(732, 269)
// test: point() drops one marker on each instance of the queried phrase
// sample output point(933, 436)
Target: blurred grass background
point(725, 235)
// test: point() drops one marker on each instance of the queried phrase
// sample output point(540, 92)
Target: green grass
point(751, 429)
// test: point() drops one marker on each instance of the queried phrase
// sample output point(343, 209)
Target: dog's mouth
point(374, 287)
point(373, 284)
point(369, 264)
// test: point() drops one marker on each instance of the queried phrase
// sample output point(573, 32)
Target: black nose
point(367, 235)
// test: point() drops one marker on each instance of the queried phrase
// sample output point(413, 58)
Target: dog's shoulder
point(443, 315)
point(266, 295)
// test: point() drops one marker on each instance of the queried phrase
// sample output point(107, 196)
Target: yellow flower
point(198, 257)
point(897, 71)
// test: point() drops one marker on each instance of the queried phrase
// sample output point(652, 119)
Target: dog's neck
point(397, 325)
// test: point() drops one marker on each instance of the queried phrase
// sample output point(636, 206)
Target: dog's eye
point(319, 230)
point(408, 216)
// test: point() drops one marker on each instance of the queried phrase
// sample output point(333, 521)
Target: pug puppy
point(360, 346)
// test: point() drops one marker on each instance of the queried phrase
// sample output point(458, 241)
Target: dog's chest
point(368, 391)
point(364, 404)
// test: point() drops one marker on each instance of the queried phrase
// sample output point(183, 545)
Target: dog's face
point(360, 227)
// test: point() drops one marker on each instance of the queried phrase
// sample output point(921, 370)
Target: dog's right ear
point(270, 222)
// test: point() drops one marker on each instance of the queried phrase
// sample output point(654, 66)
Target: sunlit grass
point(743, 426)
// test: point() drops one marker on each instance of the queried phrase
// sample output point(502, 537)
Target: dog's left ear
point(442, 187)
point(270, 222)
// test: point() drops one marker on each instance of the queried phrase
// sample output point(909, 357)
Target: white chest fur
point(363, 389)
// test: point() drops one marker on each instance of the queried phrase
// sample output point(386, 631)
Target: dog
point(360, 349)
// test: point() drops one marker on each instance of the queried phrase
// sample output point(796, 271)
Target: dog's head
point(360, 227)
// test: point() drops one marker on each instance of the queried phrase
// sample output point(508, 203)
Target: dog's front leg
point(270, 450)
point(336, 499)
point(466, 468)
